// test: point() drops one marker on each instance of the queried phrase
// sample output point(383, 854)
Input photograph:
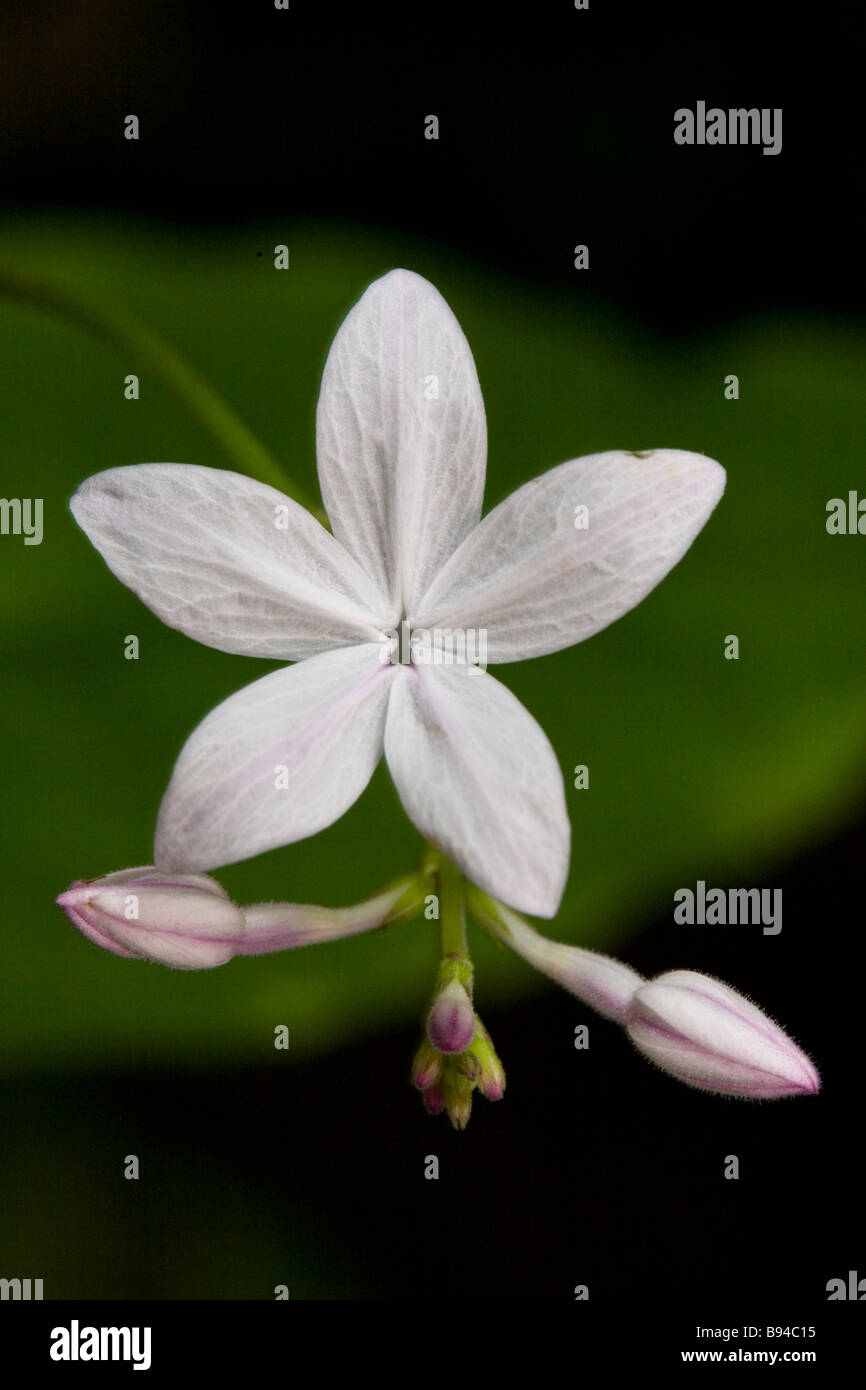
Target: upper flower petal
point(479, 778)
point(401, 436)
point(538, 579)
point(229, 561)
point(278, 761)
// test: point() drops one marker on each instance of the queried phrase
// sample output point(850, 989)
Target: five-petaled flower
point(402, 469)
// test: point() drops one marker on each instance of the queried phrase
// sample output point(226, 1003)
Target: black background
point(555, 128)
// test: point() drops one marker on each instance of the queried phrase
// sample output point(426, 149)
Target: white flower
point(401, 456)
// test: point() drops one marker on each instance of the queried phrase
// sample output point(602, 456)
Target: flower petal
point(229, 561)
point(537, 582)
point(184, 920)
point(278, 761)
point(479, 778)
point(401, 436)
point(707, 1035)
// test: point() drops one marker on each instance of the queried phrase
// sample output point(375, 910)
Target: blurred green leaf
point(699, 767)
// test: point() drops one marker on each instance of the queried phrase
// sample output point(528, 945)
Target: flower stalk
point(188, 921)
point(457, 1056)
point(692, 1026)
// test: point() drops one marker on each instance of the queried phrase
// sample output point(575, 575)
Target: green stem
point(452, 913)
point(414, 890)
point(492, 916)
point(154, 356)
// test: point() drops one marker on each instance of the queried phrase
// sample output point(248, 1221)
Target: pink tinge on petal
point(478, 777)
point(434, 1100)
point(424, 1076)
point(71, 901)
point(490, 1087)
point(451, 1021)
point(189, 923)
point(280, 760)
point(283, 926)
point(148, 876)
point(709, 1036)
point(603, 983)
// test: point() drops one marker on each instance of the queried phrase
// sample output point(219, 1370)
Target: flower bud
point(184, 920)
point(457, 1091)
point(451, 1020)
point(426, 1066)
point(486, 1070)
point(708, 1036)
point(434, 1100)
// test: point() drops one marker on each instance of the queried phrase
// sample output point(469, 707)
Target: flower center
point(404, 650)
point(445, 646)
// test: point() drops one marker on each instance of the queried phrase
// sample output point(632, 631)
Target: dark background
point(555, 129)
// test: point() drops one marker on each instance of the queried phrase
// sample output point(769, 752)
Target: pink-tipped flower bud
point(708, 1036)
point(284, 926)
point(184, 920)
point(457, 1090)
point(434, 1100)
point(426, 1066)
point(451, 1020)
point(485, 1068)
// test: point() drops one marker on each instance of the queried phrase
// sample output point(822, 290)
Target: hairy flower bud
point(451, 1020)
point(485, 1068)
point(434, 1099)
point(184, 920)
point(705, 1034)
point(426, 1066)
point(457, 1090)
